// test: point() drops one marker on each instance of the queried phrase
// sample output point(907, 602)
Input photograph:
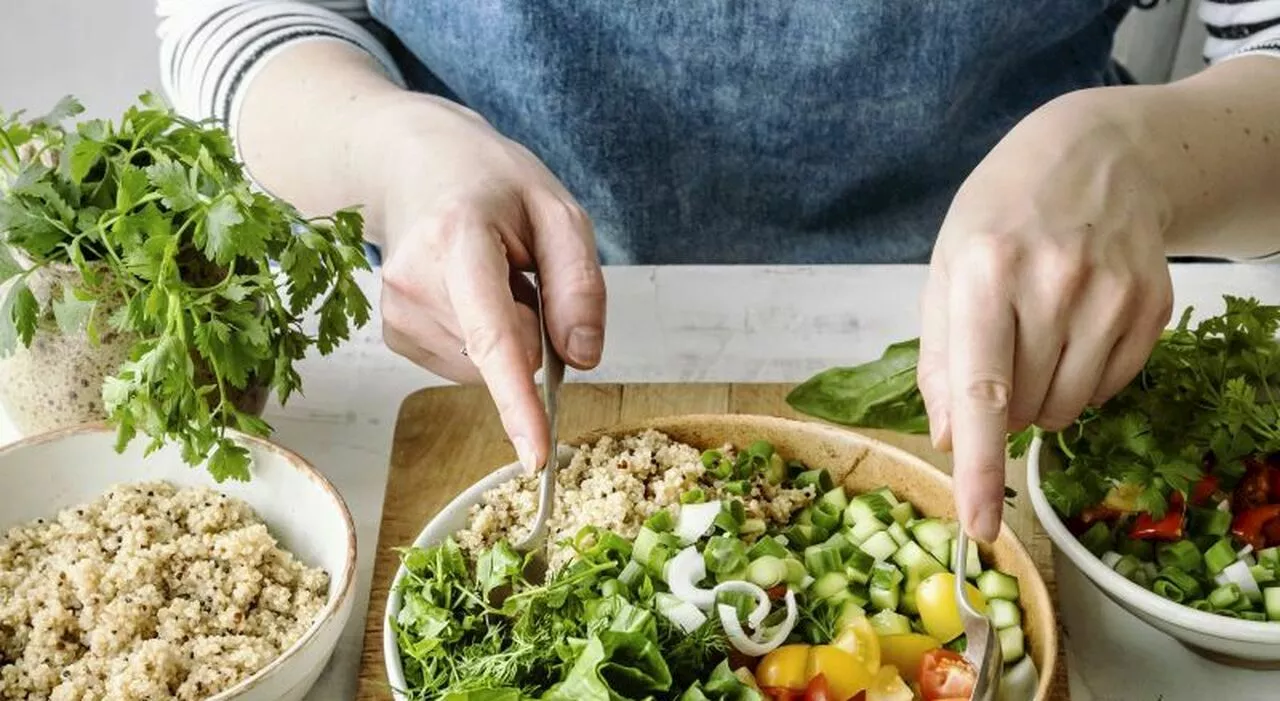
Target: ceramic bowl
point(859, 462)
point(1227, 640)
point(43, 474)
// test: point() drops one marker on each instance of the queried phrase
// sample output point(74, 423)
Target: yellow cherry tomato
point(905, 651)
point(888, 686)
point(845, 674)
point(859, 639)
point(784, 668)
point(936, 599)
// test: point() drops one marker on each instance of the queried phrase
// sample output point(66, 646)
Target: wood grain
point(447, 438)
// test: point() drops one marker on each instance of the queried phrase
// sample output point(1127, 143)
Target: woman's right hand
point(463, 211)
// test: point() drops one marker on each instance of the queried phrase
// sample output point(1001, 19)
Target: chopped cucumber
point(917, 565)
point(829, 585)
point(888, 495)
point(1271, 602)
point(885, 599)
point(898, 533)
point(880, 546)
point(884, 589)
point(1004, 614)
point(888, 622)
point(1012, 646)
point(821, 559)
point(850, 612)
point(902, 513)
point(767, 546)
point(864, 529)
point(934, 536)
point(872, 505)
point(972, 563)
point(837, 499)
point(995, 584)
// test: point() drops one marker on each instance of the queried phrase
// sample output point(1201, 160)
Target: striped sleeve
point(1240, 27)
point(210, 49)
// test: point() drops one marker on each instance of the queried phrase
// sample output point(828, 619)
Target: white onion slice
point(686, 616)
point(1238, 573)
point(684, 571)
point(695, 520)
point(1020, 681)
point(757, 648)
point(763, 605)
point(1244, 551)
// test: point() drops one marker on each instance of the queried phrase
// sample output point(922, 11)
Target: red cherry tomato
point(818, 690)
point(945, 675)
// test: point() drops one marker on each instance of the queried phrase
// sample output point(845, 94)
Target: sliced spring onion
point(736, 487)
point(1209, 522)
point(757, 646)
point(767, 546)
point(826, 515)
point(724, 554)
point(683, 574)
point(1098, 539)
point(631, 574)
point(1270, 557)
point(1169, 590)
point(757, 615)
point(1218, 556)
point(796, 573)
point(1271, 602)
point(1188, 585)
point(683, 614)
point(1110, 558)
point(693, 496)
point(1224, 597)
point(1238, 573)
point(661, 521)
point(819, 479)
point(1182, 555)
point(1128, 566)
point(766, 571)
point(696, 519)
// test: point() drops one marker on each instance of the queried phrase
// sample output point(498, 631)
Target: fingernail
point(937, 428)
point(524, 452)
point(584, 345)
point(986, 525)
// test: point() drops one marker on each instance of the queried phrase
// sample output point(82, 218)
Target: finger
point(1134, 347)
point(450, 365)
point(413, 330)
point(931, 372)
point(574, 294)
point(1038, 346)
point(479, 285)
point(1100, 320)
point(981, 348)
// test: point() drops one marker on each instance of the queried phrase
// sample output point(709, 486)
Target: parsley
point(174, 249)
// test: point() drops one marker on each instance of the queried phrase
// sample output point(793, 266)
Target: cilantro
point(174, 250)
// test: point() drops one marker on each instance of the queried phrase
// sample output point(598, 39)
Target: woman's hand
point(1047, 291)
point(464, 211)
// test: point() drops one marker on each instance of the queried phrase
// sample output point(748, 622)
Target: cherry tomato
point(939, 611)
point(773, 693)
point(946, 675)
point(784, 668)
point(1254, 489)
point(818, 690)
point(1204, 490)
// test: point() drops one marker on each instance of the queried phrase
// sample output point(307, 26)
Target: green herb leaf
point(878, 394)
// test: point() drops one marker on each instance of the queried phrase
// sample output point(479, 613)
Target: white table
point(731, 324)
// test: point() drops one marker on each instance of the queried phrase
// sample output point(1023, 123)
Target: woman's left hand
point(1047, 291)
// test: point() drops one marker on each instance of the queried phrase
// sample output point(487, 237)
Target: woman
point(991, 137)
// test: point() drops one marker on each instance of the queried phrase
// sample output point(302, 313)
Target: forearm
point(1212, 143)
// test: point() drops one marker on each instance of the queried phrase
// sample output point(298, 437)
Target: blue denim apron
point(756, 131)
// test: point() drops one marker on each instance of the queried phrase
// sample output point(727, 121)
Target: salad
point(852, 599)
point(1174, 483)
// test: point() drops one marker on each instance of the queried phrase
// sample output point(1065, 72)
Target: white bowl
point(43, 474)
point(1228, 640)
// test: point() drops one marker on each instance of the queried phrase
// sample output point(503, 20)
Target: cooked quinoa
point(150, 592)
point(616, 485)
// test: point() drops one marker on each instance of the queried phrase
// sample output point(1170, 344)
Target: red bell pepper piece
point(1247, 525)
point(1204, 489)
point(1168, 528)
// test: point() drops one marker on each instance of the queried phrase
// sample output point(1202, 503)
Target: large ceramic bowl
point(859, 462)
point(1227, 640)
point(41, 475)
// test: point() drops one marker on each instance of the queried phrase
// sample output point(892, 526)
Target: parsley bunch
point(173, 248)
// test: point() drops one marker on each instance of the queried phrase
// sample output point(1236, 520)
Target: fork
point(982, 646)
point(534, 544)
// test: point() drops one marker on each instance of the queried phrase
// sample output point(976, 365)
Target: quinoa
point(615, 484)
point(149, 592)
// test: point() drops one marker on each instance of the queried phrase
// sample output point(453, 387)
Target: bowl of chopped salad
point(1168, 496)
point(712, 558)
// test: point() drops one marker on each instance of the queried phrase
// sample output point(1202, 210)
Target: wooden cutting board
point(447, 438)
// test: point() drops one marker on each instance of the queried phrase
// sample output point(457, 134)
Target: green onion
point(796, 573)
point(1224, 597)
point(827, 515)
point(693, 496)
point(1169, 590)
point(661, 521)
point(1181, 555)
point(737, 487)
point(631, 574)
point(1262, 574)
point(1253, 615)
point(1127, 566)
point(731, 516)
point(820, 479)
point(610, 587)
point(1217, 557)
point(821, 559)
point(724, 554)
point(743, 602)
point(1227, 612)
point(1187, 584)
point(1270, 557)
point(1141, 549)
point(842, 545)
point(753, 526)
point(715, 463)
point(1098, 539)
point(766, 572)
point(1201, 605)
point(1209, 522)
point(768, 546)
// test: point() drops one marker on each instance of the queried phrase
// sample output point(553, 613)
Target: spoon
point(982, 647)
point(534, 544)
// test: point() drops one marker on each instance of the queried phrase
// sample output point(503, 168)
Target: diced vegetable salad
point(1175, 482)
point(851, 600)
